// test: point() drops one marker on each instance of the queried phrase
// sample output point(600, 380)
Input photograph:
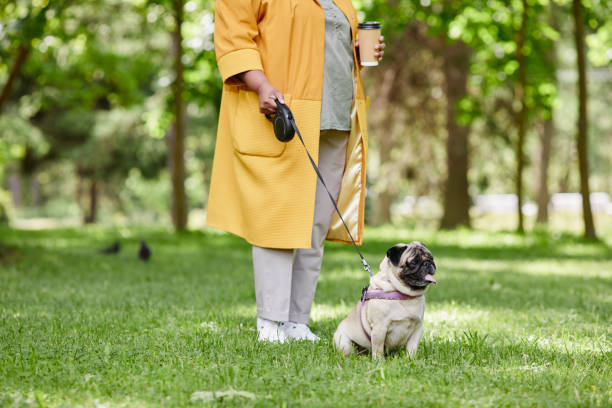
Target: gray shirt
point(337, 95)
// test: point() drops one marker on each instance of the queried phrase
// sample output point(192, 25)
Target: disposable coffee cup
point(368, 34)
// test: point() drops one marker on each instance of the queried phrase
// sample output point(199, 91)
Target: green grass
point(514, 321)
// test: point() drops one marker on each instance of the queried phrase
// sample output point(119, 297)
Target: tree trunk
point(582, 141)
point(382, 207)
point(548, 130)
point(456, 197)
point(22, 55)
point(93, 203)
point(177, 136)
point(381, 211)
point(389, 95)
point(521, 94)
point(542, 193)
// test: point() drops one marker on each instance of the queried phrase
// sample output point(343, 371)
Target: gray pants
point(286, 279)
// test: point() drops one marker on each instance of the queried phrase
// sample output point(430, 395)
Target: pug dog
point(396, 319)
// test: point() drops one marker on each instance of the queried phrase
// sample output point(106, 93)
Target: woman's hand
point(257, 81)
point(267, 96)
point(379, 48)
point(378, 53)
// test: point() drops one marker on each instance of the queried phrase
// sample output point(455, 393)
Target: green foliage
point(145, 200)
point(490, 29)
point(94, 92)
point(26, 20)
point(94, 56)
point(17, 136)
point(600, 45)
point(5, 209)
point(96, 83)
point(118, 144)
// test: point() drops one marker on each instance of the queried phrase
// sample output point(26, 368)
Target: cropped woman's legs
point(272, 269)
point(285, 279)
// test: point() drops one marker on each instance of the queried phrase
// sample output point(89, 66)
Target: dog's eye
point(414, 262)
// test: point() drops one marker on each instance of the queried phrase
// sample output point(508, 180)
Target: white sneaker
point(297, 331)
point(268, 330)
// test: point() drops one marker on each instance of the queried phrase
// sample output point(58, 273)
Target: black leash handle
point(365, 264)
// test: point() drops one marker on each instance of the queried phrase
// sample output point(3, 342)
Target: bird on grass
point(112, 249)
point(145, 252)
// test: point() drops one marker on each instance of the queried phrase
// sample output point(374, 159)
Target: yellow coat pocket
point(253, 133)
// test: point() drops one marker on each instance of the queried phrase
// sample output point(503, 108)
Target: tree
point(456, 198)
point(95, 82)
point(521, 94)
point(547, 131)
point(546, 136)
point(176, 135)
point(582, 135)
point(454, 54)
point(404, 117)
point(29, 28)
point(18, 137)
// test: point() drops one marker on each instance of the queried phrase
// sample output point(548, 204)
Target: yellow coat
point(261, 189)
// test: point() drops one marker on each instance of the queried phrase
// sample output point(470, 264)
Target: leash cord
point(365, 264)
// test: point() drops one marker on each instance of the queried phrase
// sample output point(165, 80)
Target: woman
point(303, 53)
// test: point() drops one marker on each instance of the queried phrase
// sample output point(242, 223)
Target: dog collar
point(379, 294)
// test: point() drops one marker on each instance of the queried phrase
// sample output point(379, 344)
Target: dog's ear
point(395, 253)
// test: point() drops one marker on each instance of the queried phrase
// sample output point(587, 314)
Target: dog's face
point(412, 264)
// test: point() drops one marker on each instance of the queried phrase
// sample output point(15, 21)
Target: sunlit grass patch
point(514, 321)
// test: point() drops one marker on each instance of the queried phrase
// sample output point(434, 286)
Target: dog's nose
point(426, 264)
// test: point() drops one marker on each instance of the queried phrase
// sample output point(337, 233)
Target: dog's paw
point(411, 353)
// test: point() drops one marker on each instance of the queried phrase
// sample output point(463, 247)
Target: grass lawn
point(514, 321)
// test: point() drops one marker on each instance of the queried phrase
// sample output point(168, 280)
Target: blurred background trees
point(108, 111)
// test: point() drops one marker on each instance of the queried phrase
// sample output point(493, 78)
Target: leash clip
point(366, 266)
point(363, 292)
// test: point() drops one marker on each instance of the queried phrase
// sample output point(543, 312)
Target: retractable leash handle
point(282, 122)
point(284, 129)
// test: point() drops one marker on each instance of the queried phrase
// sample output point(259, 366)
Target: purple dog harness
point(379, 294)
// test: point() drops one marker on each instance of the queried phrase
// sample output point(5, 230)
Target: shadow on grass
point(462, 348)
point(514, 290)
point(74, 320)
point(530, 247)
point(211, 268)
